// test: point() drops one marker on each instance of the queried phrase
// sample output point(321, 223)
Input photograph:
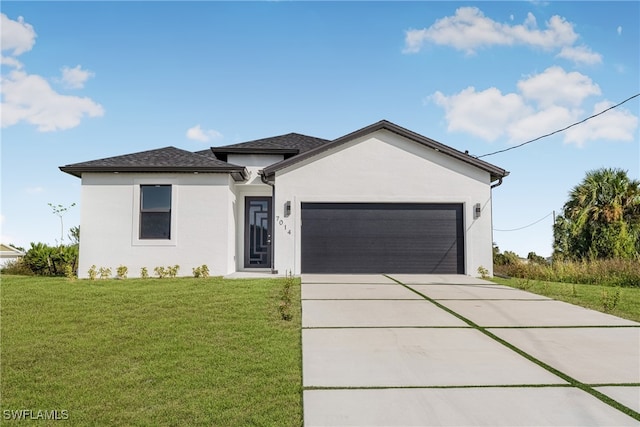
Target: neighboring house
point(382, 199)
point(9, 253)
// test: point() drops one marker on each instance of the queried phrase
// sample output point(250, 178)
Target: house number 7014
point(282, 224)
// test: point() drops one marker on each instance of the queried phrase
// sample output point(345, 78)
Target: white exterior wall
point(202, 229)
point(251, 160)
point(383, 167)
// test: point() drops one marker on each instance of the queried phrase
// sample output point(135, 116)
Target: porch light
point(287, 208)
point(476, 211)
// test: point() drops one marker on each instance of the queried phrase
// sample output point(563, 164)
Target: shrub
point(172, 271)
point(17, 267)
point(284, 306)
point(68, 272)
point(47, 260)
point(202, 271)
point(144, 273)
point(121, 272)
point(610, 298)
point(160, 272)
point(105, 272)
point(93, 273)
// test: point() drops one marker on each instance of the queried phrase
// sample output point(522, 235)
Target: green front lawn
point(601, 298)
point(151, 352)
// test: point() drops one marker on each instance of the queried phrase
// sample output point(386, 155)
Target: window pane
point(155, 197)
point(155, 225)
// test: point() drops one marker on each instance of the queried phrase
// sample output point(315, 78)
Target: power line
point(526, 226)
point(560, 130)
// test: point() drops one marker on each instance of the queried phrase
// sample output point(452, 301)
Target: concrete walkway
point(458, 351)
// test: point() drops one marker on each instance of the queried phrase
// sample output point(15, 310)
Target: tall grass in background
point(609, 272)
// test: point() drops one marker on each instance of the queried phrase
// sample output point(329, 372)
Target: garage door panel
point(375, 238)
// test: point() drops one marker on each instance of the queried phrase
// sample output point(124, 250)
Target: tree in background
point(536, 259)
point(506, 258)
point(601, 219)
point(59, 211)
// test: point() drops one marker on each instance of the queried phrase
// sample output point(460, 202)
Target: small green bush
point(68, 272)
point(93, 273)
point(202, 271)
point(610, 298)
point(121, 272)
point(284, 306)
point(105, 272)
point(144, 273)
point(160, 272)
point(173, 271)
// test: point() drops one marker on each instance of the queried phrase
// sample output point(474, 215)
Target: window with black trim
point(155, 212)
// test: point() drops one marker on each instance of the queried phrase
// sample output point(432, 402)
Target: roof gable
point(167, 159)
point(495, 171)
point(289, 145)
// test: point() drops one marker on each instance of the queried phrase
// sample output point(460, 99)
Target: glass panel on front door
point(257, 232)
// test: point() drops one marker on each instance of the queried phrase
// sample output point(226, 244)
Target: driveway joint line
point(361, 299)
point(564, 327)
point(387, 327)
point(438, 387)
point(494, 299)
point(572, 381)
point(615, 385)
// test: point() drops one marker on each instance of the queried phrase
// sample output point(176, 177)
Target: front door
point(257, 232)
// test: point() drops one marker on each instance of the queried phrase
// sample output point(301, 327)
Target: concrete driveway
point(427, 350)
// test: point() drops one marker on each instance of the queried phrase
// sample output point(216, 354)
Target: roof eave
point(238, 173)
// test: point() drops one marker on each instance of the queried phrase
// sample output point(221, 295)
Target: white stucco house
point(382, 199)
point(9, 254)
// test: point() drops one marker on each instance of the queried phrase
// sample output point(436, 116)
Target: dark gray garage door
point(382, 238)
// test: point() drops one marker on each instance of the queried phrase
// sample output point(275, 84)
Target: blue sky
point(85, 80)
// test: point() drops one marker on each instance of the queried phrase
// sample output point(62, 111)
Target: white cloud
point(196, 133)
point(75, 78)
point(16, 36)
point(554, 86)
point(545, 102)
point(614, 125)
point(469, 29)
point(11, 62)
point(540, 123)
point(619, 30)
point(580, 54)
point(29, 97)
point(484, 114)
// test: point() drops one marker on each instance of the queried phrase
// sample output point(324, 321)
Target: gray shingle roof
point(161, 160)
point(495, 171)
point(293, 143)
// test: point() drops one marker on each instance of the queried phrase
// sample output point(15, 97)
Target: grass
point(595, 297)
point(152, 352)
point(609, 272)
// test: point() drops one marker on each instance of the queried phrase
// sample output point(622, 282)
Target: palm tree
point(602, 216)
